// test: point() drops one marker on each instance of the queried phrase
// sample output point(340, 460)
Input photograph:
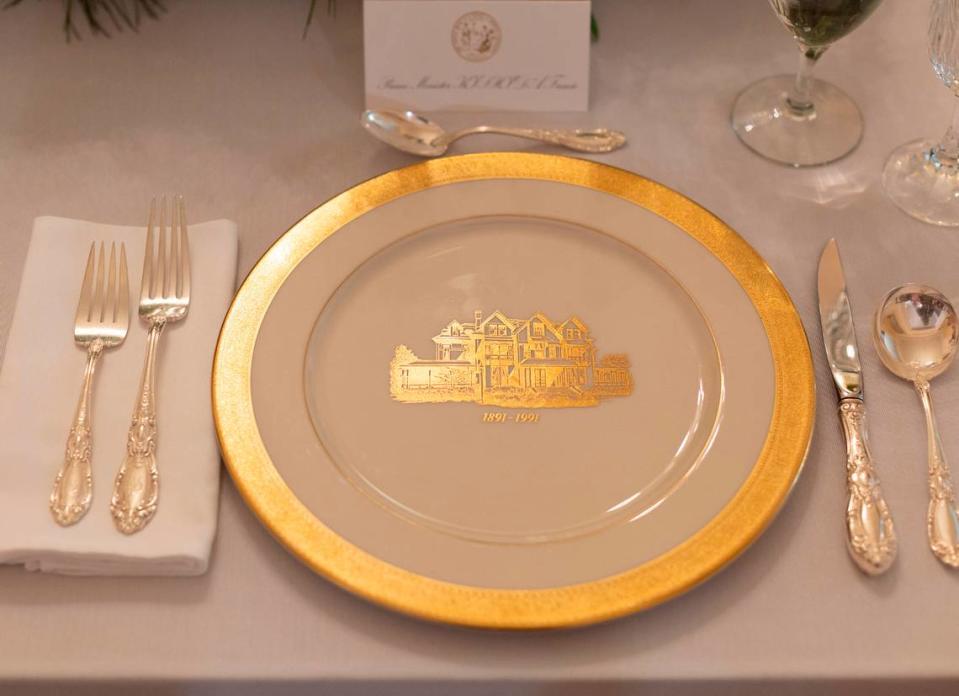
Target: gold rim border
point(723, 538)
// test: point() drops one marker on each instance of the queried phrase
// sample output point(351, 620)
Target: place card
point(466, 55)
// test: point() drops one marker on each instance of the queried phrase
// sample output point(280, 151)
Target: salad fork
point(102, 321)
point(164, 299)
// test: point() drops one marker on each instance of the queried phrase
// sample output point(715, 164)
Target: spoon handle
point(598, 140)
point(942, 522)
point(870, 535)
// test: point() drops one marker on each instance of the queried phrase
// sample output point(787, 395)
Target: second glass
point(922, 177)
point(801, 120)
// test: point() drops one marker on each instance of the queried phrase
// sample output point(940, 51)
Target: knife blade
point(838, 332)
point(870, 534)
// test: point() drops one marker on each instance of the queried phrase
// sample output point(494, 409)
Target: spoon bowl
point(916, 332)
point(406, 131)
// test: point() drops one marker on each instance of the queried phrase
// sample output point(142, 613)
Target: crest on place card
point(476, 36)
point(513, 363)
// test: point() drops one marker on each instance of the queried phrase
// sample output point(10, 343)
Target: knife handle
point(870, 535)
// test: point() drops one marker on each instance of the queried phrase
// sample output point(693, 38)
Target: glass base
point(764, 120)
point(923, 186)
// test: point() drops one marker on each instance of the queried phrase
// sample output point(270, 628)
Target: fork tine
point(184, 270)
point(86, 288)
point(123, 297)
point(173, 268)
point(110, 301)
point(97, 309)
point(159, 277)
point(146, 280)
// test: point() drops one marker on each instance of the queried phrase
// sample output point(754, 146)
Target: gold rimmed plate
point(513, 391)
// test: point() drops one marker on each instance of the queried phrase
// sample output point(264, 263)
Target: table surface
point(226, 104)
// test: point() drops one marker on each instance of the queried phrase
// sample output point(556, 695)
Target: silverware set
point(916, 334)
point(102, 322)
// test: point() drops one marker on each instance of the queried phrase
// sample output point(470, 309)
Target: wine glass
point(922, 177)
point(801, 120)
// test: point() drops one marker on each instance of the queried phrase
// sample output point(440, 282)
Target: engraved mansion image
point(497, 360)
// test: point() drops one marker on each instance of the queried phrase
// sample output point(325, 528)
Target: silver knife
point(870, 535)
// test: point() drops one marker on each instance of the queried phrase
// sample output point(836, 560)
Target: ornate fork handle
point(942, 521)
point(599, 140)
point(73, 486)
point(137, 484)
point(870, 534)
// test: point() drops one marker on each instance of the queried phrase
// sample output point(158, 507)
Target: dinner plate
point(513, 391)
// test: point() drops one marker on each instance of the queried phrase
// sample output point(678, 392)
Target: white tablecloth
point(224, 103)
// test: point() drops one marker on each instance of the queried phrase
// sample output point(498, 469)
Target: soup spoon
point(916, 334)
point(417, 135)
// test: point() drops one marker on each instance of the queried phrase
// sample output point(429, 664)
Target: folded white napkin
point(40, 384)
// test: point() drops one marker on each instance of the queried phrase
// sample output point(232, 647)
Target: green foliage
point(330, 10)
point(103, 16)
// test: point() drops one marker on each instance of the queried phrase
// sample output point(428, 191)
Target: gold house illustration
point(501, 361)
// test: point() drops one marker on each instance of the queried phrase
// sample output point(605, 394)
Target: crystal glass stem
point(798, 119)
point(799, 99)
point(946, 153)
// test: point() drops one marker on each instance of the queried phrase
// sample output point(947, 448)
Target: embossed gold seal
point(513, 363)
point(476, 36)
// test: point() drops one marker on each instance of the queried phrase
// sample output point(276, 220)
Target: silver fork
point(164, 299)
point(102, 321)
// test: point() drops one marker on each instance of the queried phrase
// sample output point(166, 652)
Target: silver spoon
point(916, 334)
point(410, 132)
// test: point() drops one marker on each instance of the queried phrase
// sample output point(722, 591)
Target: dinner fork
point(102, 320)
point(164, 299)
